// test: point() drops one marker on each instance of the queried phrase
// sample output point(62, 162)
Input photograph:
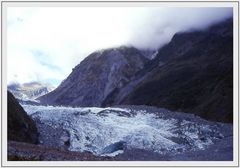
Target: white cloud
point(66, 35)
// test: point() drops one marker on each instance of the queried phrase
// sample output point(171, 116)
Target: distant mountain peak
point(30, 90)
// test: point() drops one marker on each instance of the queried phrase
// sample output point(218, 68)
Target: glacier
point(109, 131)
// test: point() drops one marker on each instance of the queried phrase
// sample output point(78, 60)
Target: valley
point(128, 104)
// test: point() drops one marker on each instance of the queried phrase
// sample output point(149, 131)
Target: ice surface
point(95, 129)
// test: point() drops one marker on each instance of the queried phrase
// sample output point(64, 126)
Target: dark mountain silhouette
point(20, 126)
point(193, 73)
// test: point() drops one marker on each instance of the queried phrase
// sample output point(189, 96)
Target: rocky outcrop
point(193, 73)
point(20, 126)
point(96, 76)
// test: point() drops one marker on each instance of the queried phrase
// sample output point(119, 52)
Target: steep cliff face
point(193, 73)
point(95, 77)
point(20, 126)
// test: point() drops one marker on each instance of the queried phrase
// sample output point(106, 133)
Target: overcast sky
point(44, 44)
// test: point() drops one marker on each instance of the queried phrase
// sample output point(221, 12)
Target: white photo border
point(3, 70)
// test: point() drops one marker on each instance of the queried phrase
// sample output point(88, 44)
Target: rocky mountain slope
point(20, 126)
point(96, 76)
point(149, 54)
point(29, 91)
point(193, 73)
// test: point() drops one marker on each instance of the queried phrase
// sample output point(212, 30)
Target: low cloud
point(44, 44)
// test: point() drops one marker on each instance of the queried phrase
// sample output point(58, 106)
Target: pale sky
point(45, 43)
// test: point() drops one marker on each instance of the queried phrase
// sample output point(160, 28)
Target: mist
point(45, 43)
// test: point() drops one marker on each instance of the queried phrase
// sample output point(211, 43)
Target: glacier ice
point(107, 131)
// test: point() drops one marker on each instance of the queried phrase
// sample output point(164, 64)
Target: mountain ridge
point(96, 76)
point(192, 73)
point(30, 90)
point(197, 75)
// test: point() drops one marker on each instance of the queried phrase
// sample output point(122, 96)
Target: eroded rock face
point(96, 76)
point(20, 126)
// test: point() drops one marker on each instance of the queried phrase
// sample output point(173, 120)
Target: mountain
point(29, 91)
point(192, 73)
point(96, 76)
point(20, 126)
point(149, 54)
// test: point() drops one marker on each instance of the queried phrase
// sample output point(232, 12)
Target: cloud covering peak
point(45, 43)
